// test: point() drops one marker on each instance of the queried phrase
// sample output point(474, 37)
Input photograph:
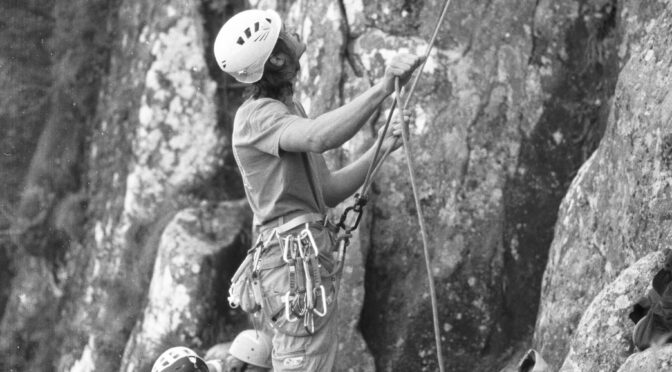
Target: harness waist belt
point(282, 228)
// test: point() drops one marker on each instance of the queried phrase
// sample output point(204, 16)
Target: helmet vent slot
point(248, 33)
point(241, 41)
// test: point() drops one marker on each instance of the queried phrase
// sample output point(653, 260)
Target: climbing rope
point(375, 165)
point(362, 197)
point(423, 229)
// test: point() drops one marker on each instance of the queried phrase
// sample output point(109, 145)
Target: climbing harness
point(307, 296)
point(361, 198)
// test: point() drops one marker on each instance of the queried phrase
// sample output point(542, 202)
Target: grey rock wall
point(514, 98)
point(603, 338)
point(618, 207)
point(188, 282)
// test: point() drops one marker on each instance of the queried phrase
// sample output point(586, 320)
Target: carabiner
point(309, 323)
point(299, 244)
point(299, 304)
point(358, 208)
point(256, 260)
point(307, 233)
point(322, 293)
point(285, 244)
point(288, 311)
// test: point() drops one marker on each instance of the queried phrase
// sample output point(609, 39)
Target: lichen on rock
point(606, 221)
point(176, 142)
point(603, 338)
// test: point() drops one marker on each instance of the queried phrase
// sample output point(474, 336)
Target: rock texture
point(196, 251)
point(603, 337)
point(24, 102)
point(618, 207)
point(353, 352)
point(147, 151)
point(653, 359)
point(54, 69)
point(495, 138)
point(24, 94)
point(514, 98)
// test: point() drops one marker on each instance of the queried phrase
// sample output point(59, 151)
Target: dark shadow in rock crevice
point(568, 132)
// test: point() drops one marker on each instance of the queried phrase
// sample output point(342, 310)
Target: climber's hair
point(279, 73)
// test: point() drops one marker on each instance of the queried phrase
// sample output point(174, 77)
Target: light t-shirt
point(277, 183)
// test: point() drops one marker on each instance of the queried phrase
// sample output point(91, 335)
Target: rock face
point(603, 337)
point(654, 359)
point(497, 139)
point(188, 281)
point(514, 98)
point(353, 352)
point(51, 73)
point(147, 151)
point(618, 207)
point(24, 102)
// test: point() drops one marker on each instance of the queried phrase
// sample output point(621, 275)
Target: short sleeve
point(267, 122)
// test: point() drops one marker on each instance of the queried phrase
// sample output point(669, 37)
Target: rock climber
point(250, 351)
point(289, 275)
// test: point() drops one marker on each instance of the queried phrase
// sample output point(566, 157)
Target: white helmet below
point(179, 359)
point(253, 348)
point(245, 42)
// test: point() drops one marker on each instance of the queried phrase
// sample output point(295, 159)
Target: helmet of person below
point(253, 348)
point(179, 359)
point(245, 42)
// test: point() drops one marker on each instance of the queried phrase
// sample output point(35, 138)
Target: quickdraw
point(306, 296)
point(317, 288)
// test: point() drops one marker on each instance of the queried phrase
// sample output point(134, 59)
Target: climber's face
point(293, 41)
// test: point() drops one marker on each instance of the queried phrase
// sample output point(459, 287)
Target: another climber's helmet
point(245, 42)
point(179, 359)
point(253, 348)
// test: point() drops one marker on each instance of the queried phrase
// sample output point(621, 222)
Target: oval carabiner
point(322, 293)
point(285, 243)
point(288, 310)
point(307, 233)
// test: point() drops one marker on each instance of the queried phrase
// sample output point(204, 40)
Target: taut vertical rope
point(423, 231)
point(375, 166)
point(361, 198)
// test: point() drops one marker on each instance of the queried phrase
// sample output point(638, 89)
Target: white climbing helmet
point(245, 42)
point(180, 359)
point(253, 348)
